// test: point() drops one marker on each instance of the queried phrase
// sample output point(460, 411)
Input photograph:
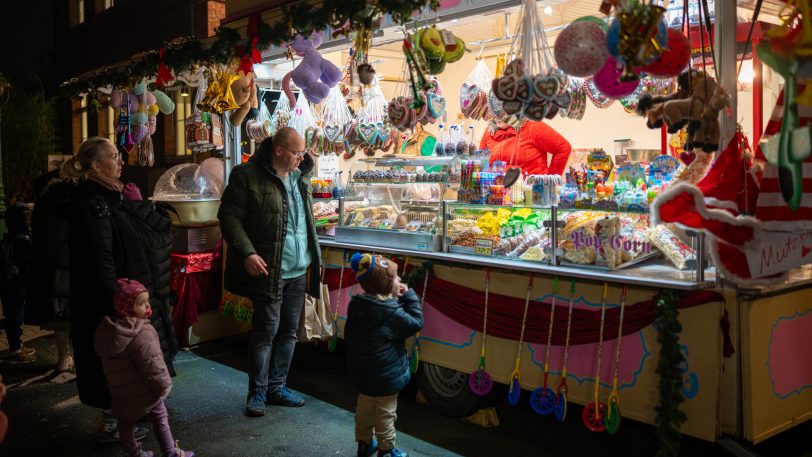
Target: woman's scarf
point(107, 182)
point(514, 123)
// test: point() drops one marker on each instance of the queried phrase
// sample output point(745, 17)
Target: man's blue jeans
point(273, 338)
point(14, 311)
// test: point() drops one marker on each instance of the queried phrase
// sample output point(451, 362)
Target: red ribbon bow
point(253, 55)
point(164, 75)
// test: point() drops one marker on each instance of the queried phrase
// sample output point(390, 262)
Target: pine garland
point(184, 53)
point(669, 418)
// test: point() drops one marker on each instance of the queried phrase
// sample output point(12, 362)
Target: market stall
point(623, 278)
point(498, 260)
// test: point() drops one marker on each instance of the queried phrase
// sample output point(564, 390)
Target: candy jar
point(471, 140)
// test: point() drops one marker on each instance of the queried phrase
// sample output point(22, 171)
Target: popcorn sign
point(616, 242)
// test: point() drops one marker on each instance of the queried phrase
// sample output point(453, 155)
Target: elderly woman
point(535, 147)
point(110, 238)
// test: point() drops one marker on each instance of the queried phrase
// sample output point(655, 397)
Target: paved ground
point(206, 415)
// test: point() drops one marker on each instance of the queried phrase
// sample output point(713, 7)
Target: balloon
point(580, 49)
point(607, 80)
point(675, 57)
point(595, 20)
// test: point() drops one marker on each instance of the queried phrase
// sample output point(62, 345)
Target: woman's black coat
point(110, 239)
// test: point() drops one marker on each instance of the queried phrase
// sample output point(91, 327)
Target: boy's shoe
point(392, 453)
point(285, 397)
point(22, 356)
point(110, 434)
point(255, 403)
point(367, 449)
point(178, 452)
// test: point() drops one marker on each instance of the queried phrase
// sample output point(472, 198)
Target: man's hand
point(255, 266)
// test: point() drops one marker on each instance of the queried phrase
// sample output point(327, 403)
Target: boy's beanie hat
point(375, 273)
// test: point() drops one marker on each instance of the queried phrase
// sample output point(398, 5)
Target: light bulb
point(548, 10)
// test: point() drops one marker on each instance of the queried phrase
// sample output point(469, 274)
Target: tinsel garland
point(184, 53)
point(669, 418)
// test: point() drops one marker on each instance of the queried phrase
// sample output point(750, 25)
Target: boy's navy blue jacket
point(374, 337)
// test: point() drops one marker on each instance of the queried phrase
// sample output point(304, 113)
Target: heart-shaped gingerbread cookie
point(368, 132)
point(436, 104)
point(334, 133)
point(546, 87)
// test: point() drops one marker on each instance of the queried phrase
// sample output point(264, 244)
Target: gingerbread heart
point(546, 87)
point(524, 90)
point(514, 67)
point(436, 104)
point(368, 132)
point(535, 111)
point(468, 93)
point(512, 107)
point(397, 111)
point(333, 133)
point(383, 132)
point(506, 88)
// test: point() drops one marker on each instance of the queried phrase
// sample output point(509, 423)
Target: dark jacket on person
point(110, 239)
point(48, 301)
point(375, 342)
point(19, 260)
point(253, 220)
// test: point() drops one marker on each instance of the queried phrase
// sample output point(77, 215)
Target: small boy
point(378, 323)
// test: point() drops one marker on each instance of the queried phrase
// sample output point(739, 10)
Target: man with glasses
point(271, 239)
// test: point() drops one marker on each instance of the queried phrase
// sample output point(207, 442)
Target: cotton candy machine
point(194, 192)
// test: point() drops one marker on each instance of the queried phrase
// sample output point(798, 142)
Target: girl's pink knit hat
point(124, 296)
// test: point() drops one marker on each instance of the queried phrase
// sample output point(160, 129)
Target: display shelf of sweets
point(606, 240)
point(514, 232)
point(404, 199)
point(483, 186)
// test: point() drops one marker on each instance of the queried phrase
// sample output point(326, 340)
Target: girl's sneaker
point(108, 434)
point(367, 449)
point(392, 453)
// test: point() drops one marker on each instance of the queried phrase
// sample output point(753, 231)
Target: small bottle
point(439, 147)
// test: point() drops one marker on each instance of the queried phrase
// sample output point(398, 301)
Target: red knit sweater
point(535, 141)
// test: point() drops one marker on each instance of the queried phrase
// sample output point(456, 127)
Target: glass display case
point(395, 202)
point(599, 239)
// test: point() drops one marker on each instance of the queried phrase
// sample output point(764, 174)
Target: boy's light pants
point(376, 415)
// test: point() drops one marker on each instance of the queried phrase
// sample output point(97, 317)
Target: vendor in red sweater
point(524, 143)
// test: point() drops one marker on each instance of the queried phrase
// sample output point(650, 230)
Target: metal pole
point(724, 37)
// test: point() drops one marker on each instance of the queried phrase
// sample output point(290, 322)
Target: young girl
point(378, 323)
point(135, 369)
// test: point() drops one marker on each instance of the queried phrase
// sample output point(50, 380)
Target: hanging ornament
point(636, 37)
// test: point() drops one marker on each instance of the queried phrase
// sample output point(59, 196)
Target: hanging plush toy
point(245, 95)
point(143, 106)
point(314, 75)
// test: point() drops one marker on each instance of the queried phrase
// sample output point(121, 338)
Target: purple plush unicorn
point(314, 75)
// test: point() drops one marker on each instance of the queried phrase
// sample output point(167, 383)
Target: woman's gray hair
point(80, 164)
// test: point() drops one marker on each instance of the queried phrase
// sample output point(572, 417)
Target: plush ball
point(580, 49)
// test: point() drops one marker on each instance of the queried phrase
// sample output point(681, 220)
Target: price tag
point(483, 247)
point(327, 166)
point(448, 38)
